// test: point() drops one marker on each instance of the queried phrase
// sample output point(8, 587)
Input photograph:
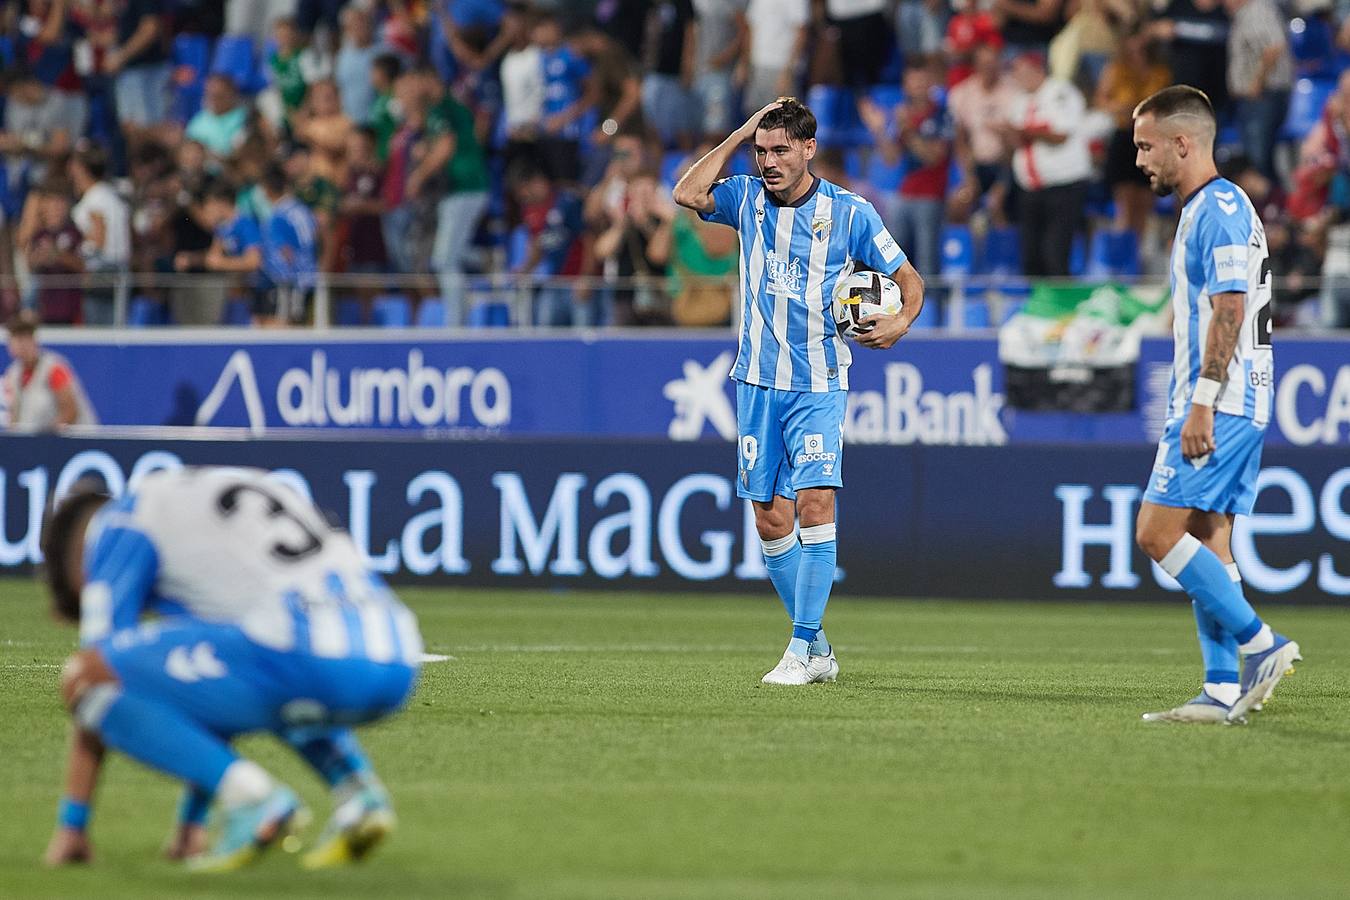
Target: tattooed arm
point(1197, 434)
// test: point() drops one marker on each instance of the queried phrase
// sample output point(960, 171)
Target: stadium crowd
point(258, 143)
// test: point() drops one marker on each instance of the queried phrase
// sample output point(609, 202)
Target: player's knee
point(815, 507)
point(83, 671)
point(1153, 541)
point(772, 522)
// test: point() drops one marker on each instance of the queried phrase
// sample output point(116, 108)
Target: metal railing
point(966, 302)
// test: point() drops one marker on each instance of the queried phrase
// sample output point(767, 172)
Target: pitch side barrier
point(994, 522)
point(929, 390)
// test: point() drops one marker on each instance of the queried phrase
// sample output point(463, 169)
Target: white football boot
point(791, 669)
point(822, 669)
point(1203, 709)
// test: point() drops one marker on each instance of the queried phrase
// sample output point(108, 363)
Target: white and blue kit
point(792, 365)
point(1220, 247)
point(267, 618)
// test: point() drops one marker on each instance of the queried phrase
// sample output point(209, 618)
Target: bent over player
point(1222, 378)
point(268, 620)
point(799, 235)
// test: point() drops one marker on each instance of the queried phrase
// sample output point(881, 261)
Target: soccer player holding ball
point(800, 235)
point(1222, 380)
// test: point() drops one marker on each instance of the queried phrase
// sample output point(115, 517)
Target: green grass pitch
point(594, 746)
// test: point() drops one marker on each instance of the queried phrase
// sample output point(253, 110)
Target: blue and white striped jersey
point(291, 245)
point(235, 546)
point(1220, 247)
point(791, 258)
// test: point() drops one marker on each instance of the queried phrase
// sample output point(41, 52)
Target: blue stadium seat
point(262, 75)
point(192, 51)
point(235, 56)
point(491, 314)
point(192, 58)
point(431, 313)
point(883, 175)
point(391, 311)
point(887, 96)
point(742, 164)
point(1312, 43)
point(1078, 256)
point(1305, 107)
point(237, 312)
point(930, 316)
point(837, 122)
point(670, 164)
point(187, 101)
point(977, 312)
point(1002, 252)
point(145, 312)
point(348, 312)
point(853, 163)
point(1113, 254)
point(958, 250)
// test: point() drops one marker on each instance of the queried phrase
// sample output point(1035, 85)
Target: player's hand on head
point(748, 129)
point(68, 846)
point(885, 331)
point(1197, 432)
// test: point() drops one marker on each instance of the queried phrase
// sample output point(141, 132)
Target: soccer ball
point(860, 295)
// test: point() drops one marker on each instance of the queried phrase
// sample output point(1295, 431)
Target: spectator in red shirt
point(54, 249)
point(39, 388)
point(361, 246)
point(921, 142)
point(970, 28)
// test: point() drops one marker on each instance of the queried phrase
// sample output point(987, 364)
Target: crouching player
point(266, 620)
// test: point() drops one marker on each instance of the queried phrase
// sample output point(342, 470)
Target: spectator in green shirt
point(384, 73)
point(455, 150)
point(283, 66)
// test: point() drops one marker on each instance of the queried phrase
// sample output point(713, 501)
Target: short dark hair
point(390, 65)
point(64, 526)
point(792, 116)
point(274, 179)
point(1177, 100)
point(23, 324)
point(94, 160)
point(220, 189)
point(523, 171)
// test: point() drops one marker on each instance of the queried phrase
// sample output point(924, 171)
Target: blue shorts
point(1225, 482)
point(216, 676)
point(788, 440)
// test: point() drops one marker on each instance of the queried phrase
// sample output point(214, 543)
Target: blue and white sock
point(1208, 583)
point(782, 557)
point(815, 578)
point(161, 737)
point(1264, 638)
point(332, 752)
point(1219, 650)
